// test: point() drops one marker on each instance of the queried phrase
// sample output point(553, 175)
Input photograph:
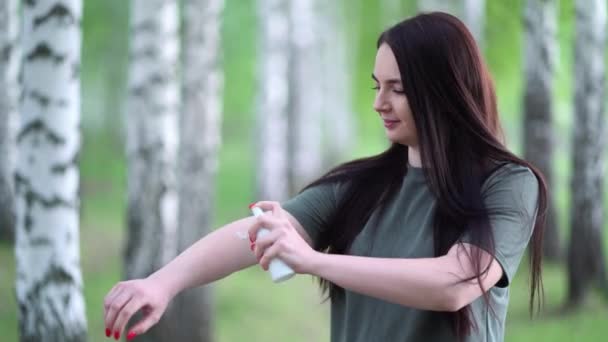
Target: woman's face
point(391, 102)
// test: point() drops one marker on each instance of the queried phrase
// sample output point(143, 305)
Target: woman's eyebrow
point(389, 81)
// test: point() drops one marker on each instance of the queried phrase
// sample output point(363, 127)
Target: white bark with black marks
point(305, 104)
point(586, 262)
point(540, 57)
point(271, 126)
point(9, 97)
point(200, 139)
point(152, 143)
point(49, 280)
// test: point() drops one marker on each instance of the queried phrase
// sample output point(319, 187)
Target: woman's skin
point(422, 283)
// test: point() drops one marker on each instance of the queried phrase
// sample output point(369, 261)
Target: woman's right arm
point(211, 258)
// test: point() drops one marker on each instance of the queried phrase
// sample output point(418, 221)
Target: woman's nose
point(380, 104)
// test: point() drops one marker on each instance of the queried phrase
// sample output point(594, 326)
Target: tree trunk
point(152, 142)
point(540, 20)
point(200, 137)
point(586, 262)
point(49, 281)
point(336, 64)
point(9, 94)
point(273, 56)
point(474, 16)
point(305, 137)
point(471, 12)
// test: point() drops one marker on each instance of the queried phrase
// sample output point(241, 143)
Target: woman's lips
point(390, 123)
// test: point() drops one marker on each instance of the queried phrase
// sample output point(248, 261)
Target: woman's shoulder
point(512, 175)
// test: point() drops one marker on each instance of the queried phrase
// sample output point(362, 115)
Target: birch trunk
point(540, 19)
point(471, 12)
point(152, 143)
point(49, 281)
point(305, 122)
point(474, 16)
point(200, 137)
point(338, 58)
point(271, 154)
point(9, 94)
point(586, 261)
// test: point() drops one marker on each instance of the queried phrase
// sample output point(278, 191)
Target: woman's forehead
point(385, 67)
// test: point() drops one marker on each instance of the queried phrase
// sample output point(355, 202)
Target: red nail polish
point(108, 332)
point(116, 335)
point(131, 336)
point(252, 204)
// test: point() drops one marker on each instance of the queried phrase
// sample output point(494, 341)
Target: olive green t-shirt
point(510, 194)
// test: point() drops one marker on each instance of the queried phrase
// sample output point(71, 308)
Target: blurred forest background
point(251, 71)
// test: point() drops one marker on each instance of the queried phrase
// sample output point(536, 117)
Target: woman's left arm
point(424, 283)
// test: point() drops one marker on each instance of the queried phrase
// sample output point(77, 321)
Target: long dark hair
point(453, 103)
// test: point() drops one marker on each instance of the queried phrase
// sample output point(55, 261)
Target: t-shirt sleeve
point(313, 208)
point(510, 195)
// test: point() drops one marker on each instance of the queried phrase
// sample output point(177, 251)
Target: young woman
point(419, 243)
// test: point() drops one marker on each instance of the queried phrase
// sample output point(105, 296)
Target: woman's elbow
point(456, 300)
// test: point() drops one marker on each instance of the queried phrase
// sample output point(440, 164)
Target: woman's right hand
point(128, 297)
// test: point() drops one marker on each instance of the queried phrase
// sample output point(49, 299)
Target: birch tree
point(49, 281)
point(586, 260)
point(540, 19)
point(474, 16)
point(337, 52)
point(273, 56)
point(200, 137)
point(305, 101)
point(471, 12)
point(152, 144)
point(9, 93)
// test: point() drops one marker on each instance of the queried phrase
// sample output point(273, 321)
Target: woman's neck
point(413, 157)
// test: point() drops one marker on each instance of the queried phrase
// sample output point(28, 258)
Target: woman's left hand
point(283, 242)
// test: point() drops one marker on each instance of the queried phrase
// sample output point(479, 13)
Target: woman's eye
point(396, 91)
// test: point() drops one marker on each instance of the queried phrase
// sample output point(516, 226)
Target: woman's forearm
point(213, 257)
point(425, 283)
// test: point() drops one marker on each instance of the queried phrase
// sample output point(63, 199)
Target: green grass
point(554, 324)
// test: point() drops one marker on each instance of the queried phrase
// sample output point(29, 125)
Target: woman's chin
point(407, 141)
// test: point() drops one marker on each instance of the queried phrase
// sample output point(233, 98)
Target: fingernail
point(250, 239)
point(252, 204)
point(131, 336)
point(108, 332)
point(116, 335)
point(252, 246)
